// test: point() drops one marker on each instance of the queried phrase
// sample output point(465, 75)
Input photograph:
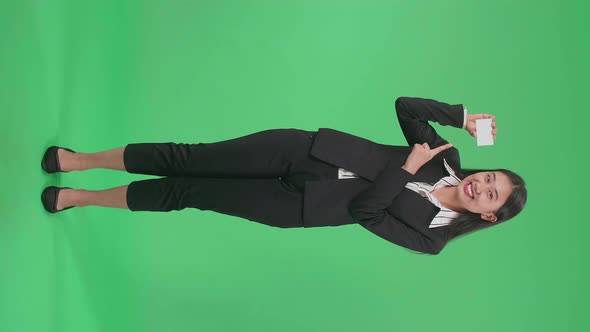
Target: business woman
point(415, 196)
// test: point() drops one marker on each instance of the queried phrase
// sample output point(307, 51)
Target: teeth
point(470, 189)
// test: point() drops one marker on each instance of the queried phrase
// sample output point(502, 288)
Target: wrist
point(468, 122)
point(465, 117)
point(409, 169)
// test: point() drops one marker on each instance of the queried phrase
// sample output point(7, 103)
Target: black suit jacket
point(378, 199)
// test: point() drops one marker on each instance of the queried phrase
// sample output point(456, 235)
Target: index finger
point(442, 147)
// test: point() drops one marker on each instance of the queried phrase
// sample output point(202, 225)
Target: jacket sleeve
point(369, 208)
point(413, 115)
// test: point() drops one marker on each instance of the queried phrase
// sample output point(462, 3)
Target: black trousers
point(259, 177)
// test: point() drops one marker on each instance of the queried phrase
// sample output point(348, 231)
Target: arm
point(369, 209)
point(413, 115)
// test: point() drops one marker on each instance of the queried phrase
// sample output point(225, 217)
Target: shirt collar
point(450, 170)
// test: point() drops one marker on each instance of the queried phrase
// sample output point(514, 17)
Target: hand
point(421, 154)
point(470, 125)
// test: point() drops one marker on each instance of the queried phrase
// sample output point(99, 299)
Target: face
point(484, 193)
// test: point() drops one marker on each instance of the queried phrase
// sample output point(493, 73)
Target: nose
point(485, 187)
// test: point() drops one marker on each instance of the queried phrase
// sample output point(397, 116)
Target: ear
point(489, 217)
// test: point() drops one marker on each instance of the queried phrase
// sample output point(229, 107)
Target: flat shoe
point(50, 161)
point(49, 198)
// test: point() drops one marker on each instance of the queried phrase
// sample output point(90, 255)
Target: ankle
point(68, 161)
point(79, 197)
point(79, 161)
point(66, 198)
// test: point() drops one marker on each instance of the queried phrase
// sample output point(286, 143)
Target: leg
point(272, 202)
point(79, 161)
point(114, 197)
point(266, 154)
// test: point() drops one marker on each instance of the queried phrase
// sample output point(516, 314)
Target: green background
point(95, 75)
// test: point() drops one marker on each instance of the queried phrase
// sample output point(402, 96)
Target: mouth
point(468, 189)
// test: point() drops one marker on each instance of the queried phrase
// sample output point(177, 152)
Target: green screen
point(96, 75)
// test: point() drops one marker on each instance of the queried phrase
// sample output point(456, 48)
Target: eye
point(491, 195)
point(488, 178)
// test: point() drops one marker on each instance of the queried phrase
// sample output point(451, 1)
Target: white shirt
point(445, 215)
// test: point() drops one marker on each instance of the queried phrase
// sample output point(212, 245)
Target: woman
point(410, 196)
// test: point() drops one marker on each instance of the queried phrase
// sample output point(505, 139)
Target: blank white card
point(483, 127)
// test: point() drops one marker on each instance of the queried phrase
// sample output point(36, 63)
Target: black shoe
point(49, 198)
point(50, 162)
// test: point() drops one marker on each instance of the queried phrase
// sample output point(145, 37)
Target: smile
point(468, 189)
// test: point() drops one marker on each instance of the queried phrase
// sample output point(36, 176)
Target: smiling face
point(484, 193)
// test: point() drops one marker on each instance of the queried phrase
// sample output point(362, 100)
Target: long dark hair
point(469, 222)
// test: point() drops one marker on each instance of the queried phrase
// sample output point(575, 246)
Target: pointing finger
point(443, 147)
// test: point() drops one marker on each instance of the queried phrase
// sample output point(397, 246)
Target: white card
point(483, 127)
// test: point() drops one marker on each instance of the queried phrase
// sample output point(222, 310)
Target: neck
point(448, 197)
